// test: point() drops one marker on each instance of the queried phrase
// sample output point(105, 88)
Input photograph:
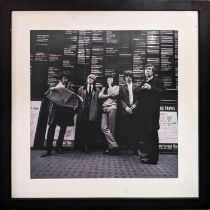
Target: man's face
point(128, 79)
point(90, 80)
point(64, 80)
point(110, 80)
point(148, 72)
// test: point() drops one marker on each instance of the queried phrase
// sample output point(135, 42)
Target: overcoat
point(148, 110)
point(93, 106)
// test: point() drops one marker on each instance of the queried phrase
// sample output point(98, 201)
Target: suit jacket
point(149, 103)
point(124, 97)
point(93, 106)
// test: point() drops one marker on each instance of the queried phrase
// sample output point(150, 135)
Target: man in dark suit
point(148, 112)
point(87, 114)
point(128, 103)
point(58, 116)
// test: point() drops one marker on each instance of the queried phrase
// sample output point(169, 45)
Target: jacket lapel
point(133, 86)
point(126, 88)
point(84, 96)
point(93, 93)
point(93, 102)
point(85, 93)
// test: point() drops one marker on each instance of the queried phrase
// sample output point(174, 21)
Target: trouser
point(108, 121)
point(150, 145)
point(87, 130)
point(50, 136)
point(128, 131)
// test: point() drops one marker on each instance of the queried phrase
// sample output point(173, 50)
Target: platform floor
point(76, 164)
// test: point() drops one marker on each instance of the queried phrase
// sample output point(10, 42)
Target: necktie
point(89, 91)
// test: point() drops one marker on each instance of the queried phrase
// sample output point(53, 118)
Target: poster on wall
point(69, 136)
point(168, 132)
point(35, 110)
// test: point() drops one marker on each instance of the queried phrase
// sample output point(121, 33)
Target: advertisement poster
point(168, 132)
point(35, 109)
point(69, 136)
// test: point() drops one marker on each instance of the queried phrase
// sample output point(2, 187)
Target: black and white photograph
point(104, 103)
point(108, 104)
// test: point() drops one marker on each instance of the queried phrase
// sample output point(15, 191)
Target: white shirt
point(130, 91)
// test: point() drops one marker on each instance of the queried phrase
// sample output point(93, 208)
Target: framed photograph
point(105, 104)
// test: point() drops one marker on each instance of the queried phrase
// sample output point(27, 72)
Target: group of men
point(135, 108)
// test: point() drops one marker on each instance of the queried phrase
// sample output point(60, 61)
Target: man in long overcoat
point(87, 114)
point(148, 112)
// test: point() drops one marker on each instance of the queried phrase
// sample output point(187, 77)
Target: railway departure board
point(79, 53)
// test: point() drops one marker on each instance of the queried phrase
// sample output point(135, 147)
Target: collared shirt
point(88, 88)
point(130, 91)
point(60, 85)
point(148, 79)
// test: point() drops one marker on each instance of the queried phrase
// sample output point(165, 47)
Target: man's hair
point(109, 75)
point(152, 66)
point(94, 77)
point(91, 75)
point(63, 75)
point(128, 73)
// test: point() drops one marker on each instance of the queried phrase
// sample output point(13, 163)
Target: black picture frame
point(6, 7)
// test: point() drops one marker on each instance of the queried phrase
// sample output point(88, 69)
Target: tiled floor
point(75, 164)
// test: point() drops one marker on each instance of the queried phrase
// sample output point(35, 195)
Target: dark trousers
point(88, 130)
point(50, 136)
point(150, 144)
point(128, 131)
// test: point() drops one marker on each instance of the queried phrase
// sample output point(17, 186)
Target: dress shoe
point(86, 150)
point(59, 150)
point(130, 151)
point(107, 152)
point(137, 152)
point(115, 151)
point(143, 155)
point(46, 154)
point(148, 161)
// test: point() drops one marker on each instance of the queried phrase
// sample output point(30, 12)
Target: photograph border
point(202, 7)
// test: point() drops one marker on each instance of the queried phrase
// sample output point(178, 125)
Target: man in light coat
point(87, 114)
